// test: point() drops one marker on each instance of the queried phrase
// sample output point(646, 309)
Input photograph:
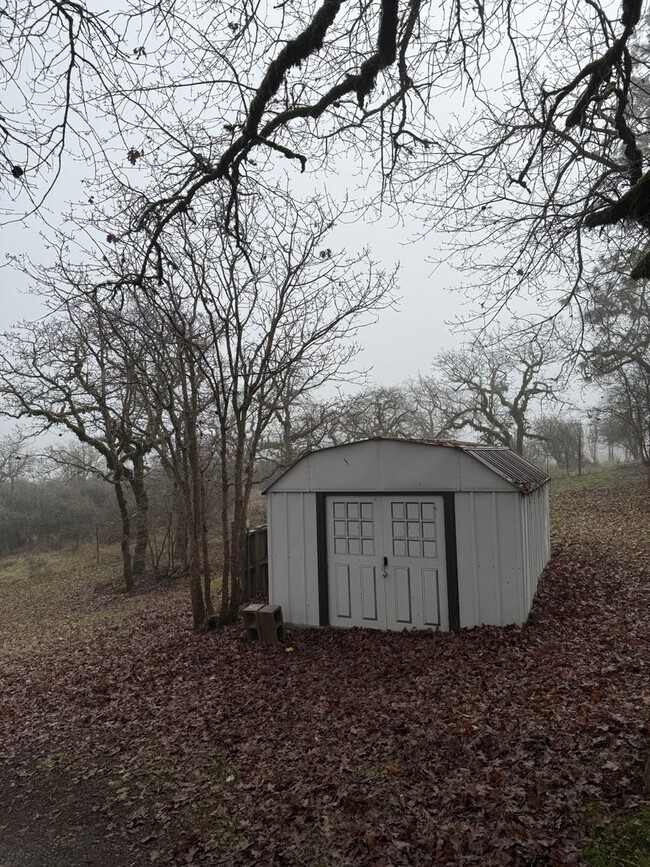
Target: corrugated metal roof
point(510, 465)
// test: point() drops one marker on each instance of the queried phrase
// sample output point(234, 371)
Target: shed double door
point(386, 562)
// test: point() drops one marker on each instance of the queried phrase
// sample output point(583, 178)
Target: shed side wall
point(536, 539)
point(293, 557)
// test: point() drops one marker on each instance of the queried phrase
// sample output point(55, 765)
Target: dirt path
point(50, 819)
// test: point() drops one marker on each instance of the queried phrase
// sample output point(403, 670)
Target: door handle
point(384, 567)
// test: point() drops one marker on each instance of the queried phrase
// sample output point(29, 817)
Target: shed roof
point(510, 466)
point(501, 460)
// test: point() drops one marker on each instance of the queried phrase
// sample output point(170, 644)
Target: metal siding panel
point(545, 529)
point(419, 465)
point(488, 612)
point(495, 550)
point(467, 578)
point(312, 611)
point(474, 476)
point(536, 537)
point(296, 558)
point(524, 606)
point(279, 566)
point(271, 546)
point(348, 468)
point(296, 478)
point(509, 565)
point(415, 467)
point(523, 547)
point(390, 465)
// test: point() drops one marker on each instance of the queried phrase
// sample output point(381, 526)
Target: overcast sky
point(404, 341)
point(401, 344)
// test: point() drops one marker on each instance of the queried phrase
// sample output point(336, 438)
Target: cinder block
point(251, 625)
point(270, 624)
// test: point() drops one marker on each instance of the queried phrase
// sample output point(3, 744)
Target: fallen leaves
point(351, 747)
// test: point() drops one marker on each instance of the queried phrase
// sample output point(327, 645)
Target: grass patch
point(619, 841)
point(49, 598)
point(594, 478)
point(605, 509)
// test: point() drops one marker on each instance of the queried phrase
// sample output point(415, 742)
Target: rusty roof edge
point(525, 486)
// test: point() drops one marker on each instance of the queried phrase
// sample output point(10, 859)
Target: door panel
point(357, 595)
point(402, 590)
point(386, 562)
point(369, 608)
point(414, 529)
point(343, 591)
point(430, 597)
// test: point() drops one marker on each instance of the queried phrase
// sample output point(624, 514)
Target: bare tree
point(438, 413)
point(16, 457)
point(626, 410)
point(50, 52)
point(63, 373)
point(563, 440)
point(615, 353)
point(378, 411)
point(498, 381)
point(617, 319)
point(553, 149)
point(282, 314)
point(299, 425)
point(237, 326)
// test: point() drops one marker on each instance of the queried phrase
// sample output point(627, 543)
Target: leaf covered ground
point(129, 741)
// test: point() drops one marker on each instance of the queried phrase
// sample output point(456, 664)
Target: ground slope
point(129, 741)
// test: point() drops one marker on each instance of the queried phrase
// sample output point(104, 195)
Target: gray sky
point(403, 341)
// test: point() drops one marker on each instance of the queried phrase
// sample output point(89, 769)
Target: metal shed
point(407, 534)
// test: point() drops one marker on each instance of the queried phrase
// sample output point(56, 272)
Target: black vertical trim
point(449, 502)
point(321, 550)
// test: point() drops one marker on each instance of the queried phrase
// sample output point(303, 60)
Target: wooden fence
point(256, 579)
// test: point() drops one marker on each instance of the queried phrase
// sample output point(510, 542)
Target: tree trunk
point(199, 589)
point(125, 543)
point(141, 517)
point(238, 537)
point(237, 533)
point(224, 614)
point(237, 560)
point(199, 612)
point(207, 578)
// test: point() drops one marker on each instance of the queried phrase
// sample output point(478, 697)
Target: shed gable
point(394, 465)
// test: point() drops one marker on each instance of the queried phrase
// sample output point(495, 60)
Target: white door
point(386, 562)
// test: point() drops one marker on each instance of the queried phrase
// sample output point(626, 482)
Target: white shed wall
point(386, 465)
point(536, 538)
point(489, 557)
point(293, 556)
point(503, 546)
